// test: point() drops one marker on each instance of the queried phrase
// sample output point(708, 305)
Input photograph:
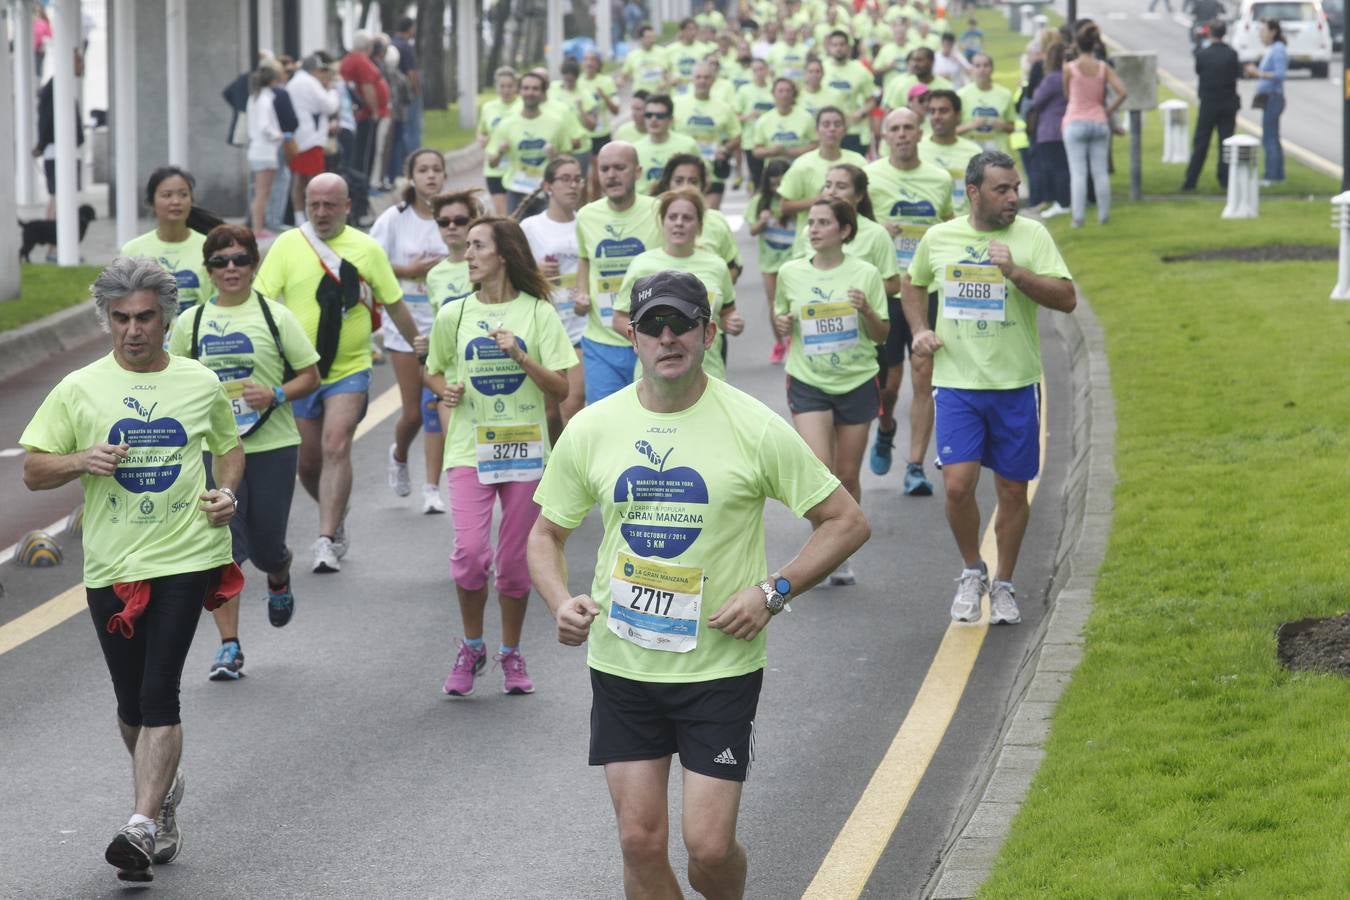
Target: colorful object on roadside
point(39, 550)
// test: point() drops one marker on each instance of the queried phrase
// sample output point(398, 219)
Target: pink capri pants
point(471, 506)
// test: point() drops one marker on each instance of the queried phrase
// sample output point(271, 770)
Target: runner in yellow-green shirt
point(786, 131)
point(805, 178)
point(990, 114)
point(132, 428)
point(775, 232)
point(646, 68)
point(909, 196)
point(490, 115)
point(993, 271)
point(525, 141)
point(713, 125)
point(686, 52)
point(685, 170)
point(680, 466)
point(660, 142)
point(919, 64)
point(175, 246)
point(855, 84)
point(943, 147)
point(832, 308)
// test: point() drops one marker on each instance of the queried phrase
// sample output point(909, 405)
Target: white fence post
point(1027, 22)
point(1176, 131)
point(1244, 191)
point(1340, 220)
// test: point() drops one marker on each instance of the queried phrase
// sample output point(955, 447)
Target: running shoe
point(325, 559)
point(398, 475)
point(970, 587)
point(132, 851)
point(1003, 604)
point(1053, 210)
point(229, 663)
point(168, 836)
point(880, 460)
point(280, 605)
point(431, 500)
point(340, 537)
point(843, 576)
point(778, 353)
point(916, 483)
point(514, 678)
point(468, 663)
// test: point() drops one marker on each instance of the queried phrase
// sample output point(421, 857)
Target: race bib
point(245, 416)
point(828, 328)
point(509, 453)
point(604, 300)
point(906, 242)
point(413, 291)
point(655, 604)
point(525, 182)
point(974, 292)
point(707, 151)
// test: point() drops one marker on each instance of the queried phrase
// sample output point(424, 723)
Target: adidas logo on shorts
point(726, 758)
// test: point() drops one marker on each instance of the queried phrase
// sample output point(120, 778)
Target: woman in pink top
point(1087, 127)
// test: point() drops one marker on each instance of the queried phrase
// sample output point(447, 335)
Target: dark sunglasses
point(652, 326)
point(655, 115)
point(240, 261)
point(457, 221)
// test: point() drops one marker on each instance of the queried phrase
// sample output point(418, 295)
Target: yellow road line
point(69, 602)
point(857, 849)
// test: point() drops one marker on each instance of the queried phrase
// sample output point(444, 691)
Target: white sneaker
point(325, 560)
point(843, 576)
point(1003, 604)
point(970, 587)
point(431, 500)
point(340, 539)
point(398, 475)
point(1053, 210)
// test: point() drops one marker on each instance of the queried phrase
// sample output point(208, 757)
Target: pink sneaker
point(778, 352)
point(514, 678)
point(459, 683)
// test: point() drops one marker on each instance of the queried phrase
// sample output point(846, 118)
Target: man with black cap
point(680, 465)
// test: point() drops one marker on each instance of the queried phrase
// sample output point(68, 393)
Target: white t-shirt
point(558, 241)
point(950, 68)
point(405, 237)
point(264, 132)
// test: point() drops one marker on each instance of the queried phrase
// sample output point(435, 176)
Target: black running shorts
point(857, 407)
point(711, 724)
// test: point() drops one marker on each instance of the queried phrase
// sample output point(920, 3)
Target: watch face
point(782, 586)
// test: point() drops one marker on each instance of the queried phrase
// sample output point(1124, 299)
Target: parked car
point(1305, 27)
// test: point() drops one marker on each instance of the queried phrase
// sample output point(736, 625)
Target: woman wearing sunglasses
point(410, 238)
point(449, 279)
point(496, 357)
point(259, 351)
point(553, 240)
point(681, 215)
point(832, 308)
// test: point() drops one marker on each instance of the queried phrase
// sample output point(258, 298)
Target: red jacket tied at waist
point(222, 584)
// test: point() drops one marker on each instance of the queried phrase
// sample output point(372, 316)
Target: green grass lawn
point(1183, 760)
point(440, 127)
point(46, 289)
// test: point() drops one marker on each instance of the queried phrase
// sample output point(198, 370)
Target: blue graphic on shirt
point(660, 507)
point(491, 371)
point(156, 456)
point(903, 208)
point(984, 112)
point(229, 355)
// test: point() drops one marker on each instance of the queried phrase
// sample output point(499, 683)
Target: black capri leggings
point(147, 667)
point(258, 529)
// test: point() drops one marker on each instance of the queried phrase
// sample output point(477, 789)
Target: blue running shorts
point(311, 407)
point(609, 368)
point(1001, 430)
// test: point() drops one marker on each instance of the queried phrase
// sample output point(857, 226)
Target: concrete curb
point(28, 345)
point(1088, 502)
point(37, 341)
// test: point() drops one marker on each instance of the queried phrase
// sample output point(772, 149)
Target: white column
point(1340, 220)
point(349, 23)
point(313, 26)
point(176, 78)
point(9, 151)
point(267, 39)
point(604, 29)
point(123, 132)
point(553, 37)
point(25, 103)
point(1176, 137)
point(466, 55)
point(65, 39)
point(1244, 191)
point(656, 18)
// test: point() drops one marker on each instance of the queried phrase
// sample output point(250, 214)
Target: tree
point(430, 43)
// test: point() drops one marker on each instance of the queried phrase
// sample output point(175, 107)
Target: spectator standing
point(1270, 97)
point(1048, 104)
point(42, 36)
point(950, 64)
point(264, 144)
point(390, 95)
point(1219, 69)
point(363, 80)
point(1087, 126)
point(316, 102)
point(46, 141)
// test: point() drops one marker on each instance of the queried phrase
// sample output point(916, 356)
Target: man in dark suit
point(1219, 71)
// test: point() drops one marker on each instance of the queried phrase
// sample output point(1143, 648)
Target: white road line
point(11, 451)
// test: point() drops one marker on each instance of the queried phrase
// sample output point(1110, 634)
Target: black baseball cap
point(680, 291)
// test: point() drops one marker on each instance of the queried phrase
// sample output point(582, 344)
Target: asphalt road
point(337, 768)
point(1312, 116)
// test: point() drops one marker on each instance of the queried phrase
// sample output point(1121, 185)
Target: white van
point(1306, 33)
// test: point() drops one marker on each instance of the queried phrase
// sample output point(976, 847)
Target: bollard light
point(1244, 191)
point(1340, 220)
point(1028, 19)
point(1176, 131)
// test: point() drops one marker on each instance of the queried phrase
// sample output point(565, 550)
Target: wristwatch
point(229, 493)
point(776, 592)
point(278, 396)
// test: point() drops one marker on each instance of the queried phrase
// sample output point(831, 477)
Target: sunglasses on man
point(678, 323)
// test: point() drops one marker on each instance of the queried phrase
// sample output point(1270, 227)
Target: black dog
point(43, 231)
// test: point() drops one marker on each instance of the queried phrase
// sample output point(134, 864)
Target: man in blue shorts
point(992, 271)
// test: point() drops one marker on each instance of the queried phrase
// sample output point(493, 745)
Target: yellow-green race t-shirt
point(183, 260)
point(873, 244)
point(836, 360)
point(710, 268)
point(490, 116)
point(921, 196)
point(647, 70)
point(652, 157)
point(528, 141)
point(236, 344)
point(682, 489)
point(145, 521)
point(986, 355)
point(448, 281)
point(496, 389)
point(796, 129)
point(291, 273)
point(954, 158)
point(995, 103)
point(611, 240)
